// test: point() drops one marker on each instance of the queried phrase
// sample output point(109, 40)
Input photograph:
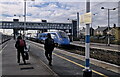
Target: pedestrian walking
point(49, 47)
point(20, 45)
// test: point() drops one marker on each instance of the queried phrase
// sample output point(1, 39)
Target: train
point(60, 37)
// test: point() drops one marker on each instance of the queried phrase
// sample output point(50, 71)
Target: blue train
point(60, 37)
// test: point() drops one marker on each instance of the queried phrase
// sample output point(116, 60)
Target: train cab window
point(53, 36)
point(63, 34)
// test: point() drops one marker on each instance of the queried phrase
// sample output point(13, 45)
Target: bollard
point(87, 73)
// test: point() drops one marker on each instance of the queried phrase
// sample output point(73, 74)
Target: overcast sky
point(58, 10)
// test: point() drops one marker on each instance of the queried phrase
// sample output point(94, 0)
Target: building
point(112, 31)
point(101, 31)
point(115, 31)
point(82, 32)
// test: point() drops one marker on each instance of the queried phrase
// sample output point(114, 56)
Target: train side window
point(43, 35)
point(40, 35)
point(63, 34)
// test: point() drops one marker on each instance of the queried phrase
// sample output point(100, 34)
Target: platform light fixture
point(25, 17)
point(108, 9)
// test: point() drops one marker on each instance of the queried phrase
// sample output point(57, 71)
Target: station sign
point(86, 18)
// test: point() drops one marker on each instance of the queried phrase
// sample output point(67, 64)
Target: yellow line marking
point(79, 65)
point(76, 63)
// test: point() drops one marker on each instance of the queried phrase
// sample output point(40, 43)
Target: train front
point(63, 38)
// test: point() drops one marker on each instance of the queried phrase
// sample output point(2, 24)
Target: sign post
point(87, 72)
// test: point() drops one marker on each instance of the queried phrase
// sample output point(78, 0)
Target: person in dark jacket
point(20, 49)
point(49, 47)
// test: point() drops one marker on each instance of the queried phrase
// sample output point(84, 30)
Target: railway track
point(99, 54)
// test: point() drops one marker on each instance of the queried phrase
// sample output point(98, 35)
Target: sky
point(59, 11)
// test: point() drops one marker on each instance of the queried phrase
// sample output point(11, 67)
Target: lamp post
point(25, 17)
point(93, 18)
point(108, 22)
point(91, 33)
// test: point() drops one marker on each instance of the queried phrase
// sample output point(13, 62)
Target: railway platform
point(34, 67)
point(112, 47)
point(65, 64)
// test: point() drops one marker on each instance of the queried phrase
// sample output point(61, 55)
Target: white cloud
point(56, 11)
point(11, 9)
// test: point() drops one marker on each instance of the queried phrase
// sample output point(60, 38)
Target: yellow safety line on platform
point(79, 65)
point(75, 63)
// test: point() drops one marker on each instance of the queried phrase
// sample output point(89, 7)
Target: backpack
point(21, 43)
point(49, 44)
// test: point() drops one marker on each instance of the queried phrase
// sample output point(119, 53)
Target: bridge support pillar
point(15, 32)
point(74, 29)
point(70, 36)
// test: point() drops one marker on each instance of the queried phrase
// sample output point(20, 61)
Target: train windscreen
point(53, 35)
point(63, 34)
